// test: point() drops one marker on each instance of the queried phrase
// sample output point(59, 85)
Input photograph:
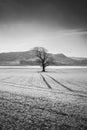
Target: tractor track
point(60, 83)
point(74, 91)
point(46, 81)
point(49, 87)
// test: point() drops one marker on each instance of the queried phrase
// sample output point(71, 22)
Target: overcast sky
point(58, 25)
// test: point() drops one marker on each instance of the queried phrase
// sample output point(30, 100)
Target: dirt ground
point(54, 100)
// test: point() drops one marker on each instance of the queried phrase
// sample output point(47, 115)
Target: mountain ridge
point(29, 58)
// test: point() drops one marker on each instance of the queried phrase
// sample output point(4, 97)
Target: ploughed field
point(53, 100)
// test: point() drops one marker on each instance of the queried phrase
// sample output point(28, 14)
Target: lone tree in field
point(43, 58)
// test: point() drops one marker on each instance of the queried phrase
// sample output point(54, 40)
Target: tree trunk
point(43, 68)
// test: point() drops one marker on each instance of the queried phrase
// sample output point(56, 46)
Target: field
point(53, 100)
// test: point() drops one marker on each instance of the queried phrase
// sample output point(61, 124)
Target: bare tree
point(43, 58)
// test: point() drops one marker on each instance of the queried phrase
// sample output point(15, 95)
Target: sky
point(58, 25)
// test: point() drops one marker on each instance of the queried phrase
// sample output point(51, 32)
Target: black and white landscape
point(43, 65)
point(31, 99)
point(29, 58)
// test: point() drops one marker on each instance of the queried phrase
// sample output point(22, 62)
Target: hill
point(29, 58)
